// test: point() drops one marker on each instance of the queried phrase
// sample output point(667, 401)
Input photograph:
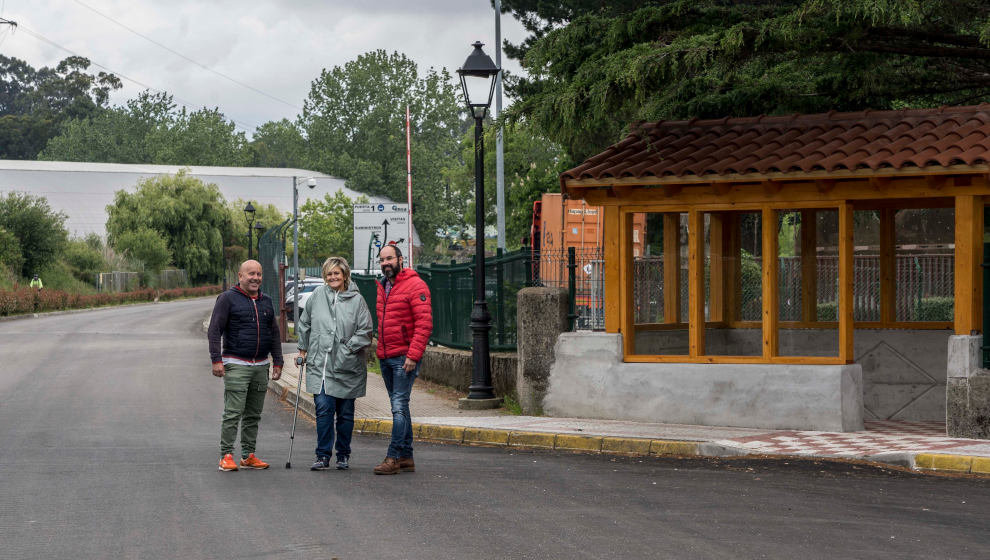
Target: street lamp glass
point(249, 213)
point(478, 80)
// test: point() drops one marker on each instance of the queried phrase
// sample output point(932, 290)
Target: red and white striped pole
point(409, 192)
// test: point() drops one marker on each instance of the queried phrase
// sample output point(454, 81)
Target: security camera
point(311, 182)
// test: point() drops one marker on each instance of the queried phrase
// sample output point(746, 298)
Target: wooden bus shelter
point(788, 240)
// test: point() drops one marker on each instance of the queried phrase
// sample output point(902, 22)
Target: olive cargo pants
point(243, 401)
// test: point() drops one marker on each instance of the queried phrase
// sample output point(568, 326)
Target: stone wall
point(967, 399)
point(451, 367)
point(904, 371)
point(589, 380)
point(541, 315)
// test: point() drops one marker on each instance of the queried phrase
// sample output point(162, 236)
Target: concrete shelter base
point(588, 379)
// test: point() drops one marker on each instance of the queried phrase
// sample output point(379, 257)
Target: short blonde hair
point(341, 263)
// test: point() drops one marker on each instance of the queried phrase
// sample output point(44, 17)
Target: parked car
point(307, 290)
point(290, 286)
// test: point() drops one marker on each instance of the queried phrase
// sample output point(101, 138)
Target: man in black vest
point(245, 319)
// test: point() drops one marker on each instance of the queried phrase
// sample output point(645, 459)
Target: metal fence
point(452, 291)
point(117, 281)
point(924, 288)
point(584, 268)
point(171, 278)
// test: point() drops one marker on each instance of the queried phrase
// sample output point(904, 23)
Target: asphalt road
point(109, 422)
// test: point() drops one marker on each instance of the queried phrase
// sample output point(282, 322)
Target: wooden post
point(969, 245)
point(770, 284)
point(809, 267)
point(613, 278)
point(888, 266)
point(716, 257)
point(696, 283)
point(845, 310)
point(626, 286)
point(671, 268)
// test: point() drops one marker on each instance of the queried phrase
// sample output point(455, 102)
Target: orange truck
point(559, 224)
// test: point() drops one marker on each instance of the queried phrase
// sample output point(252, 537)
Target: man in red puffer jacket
point(405, 321)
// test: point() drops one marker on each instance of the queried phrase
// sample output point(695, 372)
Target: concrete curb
point(924, 463)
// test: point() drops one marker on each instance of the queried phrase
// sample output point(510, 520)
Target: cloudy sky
point(277, 47)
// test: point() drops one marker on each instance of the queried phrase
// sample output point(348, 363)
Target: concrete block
point(568, 442)
point(359, 424)
point(453, 434)
point(541, 315)
point(384, 427)
point(531, 439)
point(486, 437)
point(963, 355)
point(967, 405)
point(659, 447)
point(981, 465)
point(629, 446)
point(589, 380)
point(370, 426)
point(955, 463)
point(924, 461)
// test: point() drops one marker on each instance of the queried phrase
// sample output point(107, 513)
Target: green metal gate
point(271, 254)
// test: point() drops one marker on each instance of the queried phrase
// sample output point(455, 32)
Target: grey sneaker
point(321, 464)
point(342, 463)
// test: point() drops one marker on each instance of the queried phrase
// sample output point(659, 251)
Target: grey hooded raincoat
point(334, 329)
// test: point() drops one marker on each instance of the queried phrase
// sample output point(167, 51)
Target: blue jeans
point(326, 408)
point(399, 385)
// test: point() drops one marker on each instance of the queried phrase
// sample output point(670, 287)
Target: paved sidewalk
point(922, 446)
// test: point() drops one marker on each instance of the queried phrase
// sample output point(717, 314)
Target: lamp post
point(478, 82)
point(249, 216)
point(260, 228)
point(311, 183)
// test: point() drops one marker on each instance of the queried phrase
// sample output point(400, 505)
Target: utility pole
point(499, 146)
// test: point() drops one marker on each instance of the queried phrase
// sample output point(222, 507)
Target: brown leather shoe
point(406, 464)
point(389, 466)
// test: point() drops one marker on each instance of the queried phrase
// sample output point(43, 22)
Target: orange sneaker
point(227, 463)
point(252, 462)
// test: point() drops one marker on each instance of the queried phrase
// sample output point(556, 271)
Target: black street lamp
point(478, 82)
point(249, 216)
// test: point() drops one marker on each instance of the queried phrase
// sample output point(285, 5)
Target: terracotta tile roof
point(797, 144)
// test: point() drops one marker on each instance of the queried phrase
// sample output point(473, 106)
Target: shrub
point(20, 301)
point(828, 311)
point(938, 308)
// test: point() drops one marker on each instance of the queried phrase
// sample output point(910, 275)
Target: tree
point(39, 230)
point(33, 103)
point(532, 165)
point(10, 252)
point(150, 129)
point(354, 119)
point(146, 246)
point(189, 214)
point(326, 227)
point(267, 215)
point(278, 144)
point(83, 259)
point(610, 64)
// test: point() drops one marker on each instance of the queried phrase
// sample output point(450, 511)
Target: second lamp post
point(478, 82)
point(249, 216)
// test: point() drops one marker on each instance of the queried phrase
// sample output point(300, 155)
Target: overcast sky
point(276, 46)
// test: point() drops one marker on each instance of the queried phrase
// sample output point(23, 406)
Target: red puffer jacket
point(405, 319)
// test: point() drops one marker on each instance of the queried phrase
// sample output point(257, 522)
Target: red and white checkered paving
point(878, 438)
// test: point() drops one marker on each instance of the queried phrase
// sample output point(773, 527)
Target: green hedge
point(25, 300)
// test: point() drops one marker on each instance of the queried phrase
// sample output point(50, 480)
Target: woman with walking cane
point(334, 330)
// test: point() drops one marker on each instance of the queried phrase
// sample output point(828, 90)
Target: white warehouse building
point(82, 191)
